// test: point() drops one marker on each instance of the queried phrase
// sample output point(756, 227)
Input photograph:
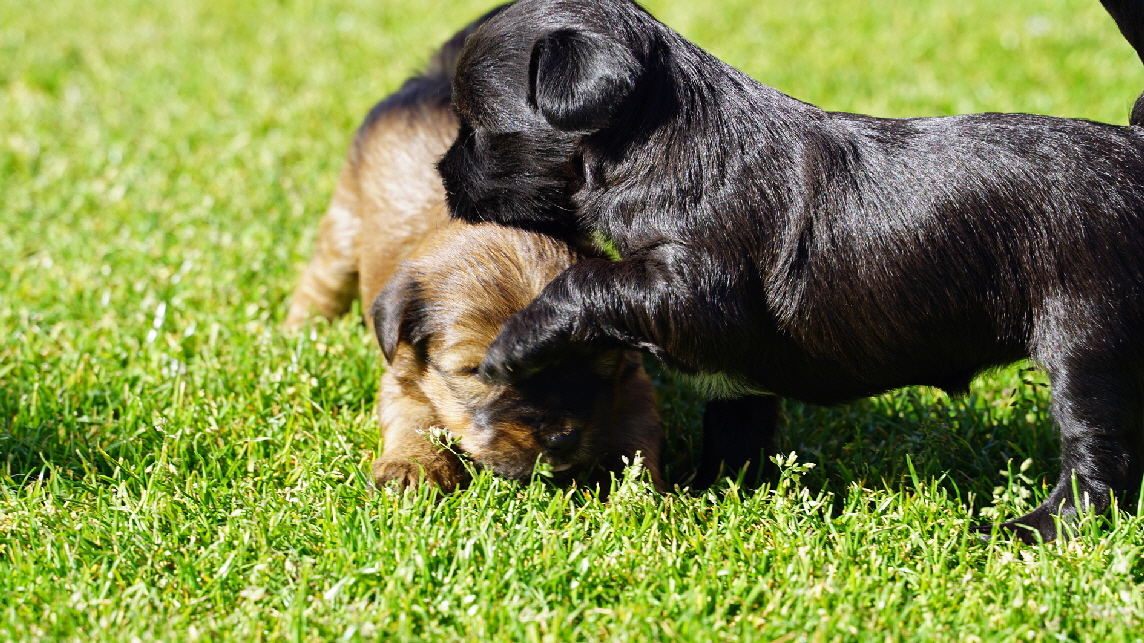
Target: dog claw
point(402, 474)
point(1008, 531)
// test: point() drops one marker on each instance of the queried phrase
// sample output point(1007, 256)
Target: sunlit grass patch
point(174, 467)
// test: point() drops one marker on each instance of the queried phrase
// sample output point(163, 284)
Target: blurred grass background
point(174, 467)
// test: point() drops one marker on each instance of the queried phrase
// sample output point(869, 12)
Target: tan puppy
point(440, 292)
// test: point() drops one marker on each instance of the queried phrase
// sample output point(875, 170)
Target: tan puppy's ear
point(398, 314)
point(578, 79)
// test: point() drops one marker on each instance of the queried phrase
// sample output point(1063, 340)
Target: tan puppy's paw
point(442, 471)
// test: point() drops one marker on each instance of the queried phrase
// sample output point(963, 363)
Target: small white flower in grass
point(789, 464)
point(157, 322)
point(225, 569)
point(633, 484)
point(333, 591)
point(1014, 496)
point(441, 438)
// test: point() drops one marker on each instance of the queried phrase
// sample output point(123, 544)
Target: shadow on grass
point(29, 454)
point(44, 446)
point(965, 442)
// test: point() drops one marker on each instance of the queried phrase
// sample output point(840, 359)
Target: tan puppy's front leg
point(409, 454)
point(329, 285)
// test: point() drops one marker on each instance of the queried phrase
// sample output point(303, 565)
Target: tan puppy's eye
point(456, 363)
point(457, 371)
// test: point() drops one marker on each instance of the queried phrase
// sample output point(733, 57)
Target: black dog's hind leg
point(737, 433)
point(1096, 402)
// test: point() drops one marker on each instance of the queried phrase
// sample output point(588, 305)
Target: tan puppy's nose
point(561, 443)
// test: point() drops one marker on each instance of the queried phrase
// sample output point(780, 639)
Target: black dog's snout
point(563, 442)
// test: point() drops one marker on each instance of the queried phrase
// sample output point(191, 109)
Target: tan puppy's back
point(386, 203)
point(392, 179)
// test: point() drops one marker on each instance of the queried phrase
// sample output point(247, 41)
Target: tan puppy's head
point(434, 321)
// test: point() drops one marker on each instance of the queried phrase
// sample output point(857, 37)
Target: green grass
point(173, 467)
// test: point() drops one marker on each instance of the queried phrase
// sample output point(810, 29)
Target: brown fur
point(442, 291)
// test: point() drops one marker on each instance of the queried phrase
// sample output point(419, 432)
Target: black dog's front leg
point(737, 433)
point(593, 302)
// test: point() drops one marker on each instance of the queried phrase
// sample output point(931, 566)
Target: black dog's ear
point(398, 314)
point(579, 79)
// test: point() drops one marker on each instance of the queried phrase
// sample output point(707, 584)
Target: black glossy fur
point(769, 246)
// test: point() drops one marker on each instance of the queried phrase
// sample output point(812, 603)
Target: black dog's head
point(530, 85)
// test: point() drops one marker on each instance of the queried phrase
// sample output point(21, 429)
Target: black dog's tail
point(1129, 17)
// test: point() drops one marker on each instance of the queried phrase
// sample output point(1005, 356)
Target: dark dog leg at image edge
point(1099, 419)
point(1129, 17)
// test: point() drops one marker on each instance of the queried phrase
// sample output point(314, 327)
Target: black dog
point(771, 247)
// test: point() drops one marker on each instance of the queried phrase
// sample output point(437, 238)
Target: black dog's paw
point(1037, 526)
point(507, 361)
point(527, 343)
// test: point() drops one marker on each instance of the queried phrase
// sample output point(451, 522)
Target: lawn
point(175, 467)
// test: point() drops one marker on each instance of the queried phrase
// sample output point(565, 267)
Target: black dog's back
point(966, 236)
